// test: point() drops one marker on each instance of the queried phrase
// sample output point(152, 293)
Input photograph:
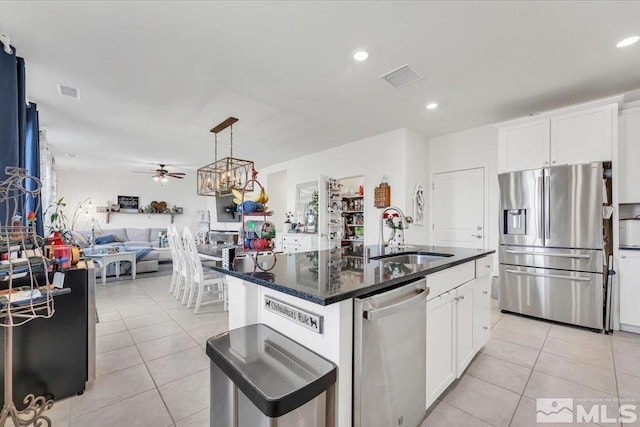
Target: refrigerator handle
point(540, 215)
point(547, 208)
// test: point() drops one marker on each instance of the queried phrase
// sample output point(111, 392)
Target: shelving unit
point(353, 218)
point(262, 258)
point(109, 213)
point(26, 294)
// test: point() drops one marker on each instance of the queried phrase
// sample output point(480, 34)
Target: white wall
point(384, 154)
point(468, 149)
point(76, 186)
point(417, 167)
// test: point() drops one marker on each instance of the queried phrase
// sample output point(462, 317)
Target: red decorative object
point(55, 239)
point(31, 217)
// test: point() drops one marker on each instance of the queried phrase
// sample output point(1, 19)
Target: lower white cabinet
point(441, 368)
point(458, 322)
point(464, 327)
point(482, 302)
point(299, 242)
point(629, 288)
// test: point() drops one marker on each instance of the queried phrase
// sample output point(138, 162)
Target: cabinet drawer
point(481, 329)
point(484, 266)
point(290, 239)
point(445, 280)
point(481, 294)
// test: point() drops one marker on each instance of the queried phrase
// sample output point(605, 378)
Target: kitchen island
point(310, 297)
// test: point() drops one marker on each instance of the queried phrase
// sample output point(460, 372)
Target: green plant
point(313, 204)
point(57, 219)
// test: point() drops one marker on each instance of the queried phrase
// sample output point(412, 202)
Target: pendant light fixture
point(222, 176)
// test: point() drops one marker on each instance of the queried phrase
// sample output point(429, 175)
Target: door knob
point(477, 236)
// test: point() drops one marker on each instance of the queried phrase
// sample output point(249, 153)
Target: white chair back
point(192, 254)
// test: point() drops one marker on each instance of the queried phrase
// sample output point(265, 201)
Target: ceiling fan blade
point(175, 176)
point(146, 172)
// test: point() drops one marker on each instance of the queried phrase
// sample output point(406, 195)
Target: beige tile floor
point(528, 359)
point(153, 371)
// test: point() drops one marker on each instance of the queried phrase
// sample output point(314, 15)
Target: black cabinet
point(50, 356)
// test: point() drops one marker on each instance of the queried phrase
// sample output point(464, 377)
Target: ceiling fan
point(162, 174)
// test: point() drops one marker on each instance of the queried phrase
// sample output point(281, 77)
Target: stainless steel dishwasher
point(389, 357)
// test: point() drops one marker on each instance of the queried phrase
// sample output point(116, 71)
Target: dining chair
point(202, 281)
point(171, 232)
point(184, 279)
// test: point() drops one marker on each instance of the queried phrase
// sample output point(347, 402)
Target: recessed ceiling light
point(628, 41)
point(432, 106)
point(360, 55)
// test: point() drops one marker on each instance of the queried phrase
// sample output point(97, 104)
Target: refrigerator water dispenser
point(515, 221)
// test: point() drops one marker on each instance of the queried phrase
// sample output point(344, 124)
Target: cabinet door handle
point(459, 298)
point(486, 328)
point(485, 292)
point(477, 236)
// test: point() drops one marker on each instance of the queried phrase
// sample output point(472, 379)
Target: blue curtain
point(9, 139)
point(19, 131)
point(32, 162)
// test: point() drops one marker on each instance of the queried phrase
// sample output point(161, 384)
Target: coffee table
point(105, 259)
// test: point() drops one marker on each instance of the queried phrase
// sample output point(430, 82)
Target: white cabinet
point(582, 136)
point(630, 288)
point(629, 154)
point(299, 242)
point(458, 309)
point(524, 146)
point(482, 302)
point(573, 135)
point(464, 327)
point(441, 368)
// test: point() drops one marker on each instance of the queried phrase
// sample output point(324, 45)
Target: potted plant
point(57, 226)
point(312, 213)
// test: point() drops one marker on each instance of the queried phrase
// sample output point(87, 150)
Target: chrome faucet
point(404, 224)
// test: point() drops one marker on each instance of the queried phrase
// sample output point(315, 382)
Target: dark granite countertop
point(328, 276)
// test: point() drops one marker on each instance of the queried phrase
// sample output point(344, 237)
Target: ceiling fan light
point(164, 179)
point(155, 178)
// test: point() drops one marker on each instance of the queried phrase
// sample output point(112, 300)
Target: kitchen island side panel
point(246, 306)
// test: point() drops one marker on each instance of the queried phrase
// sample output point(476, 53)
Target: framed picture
point(128, 203)
point(419, 205)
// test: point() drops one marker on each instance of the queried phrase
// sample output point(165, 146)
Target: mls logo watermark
point(586, 410)
point(554, 410)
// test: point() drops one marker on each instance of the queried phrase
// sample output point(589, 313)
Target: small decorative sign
point(297, 315)
point(128, 203)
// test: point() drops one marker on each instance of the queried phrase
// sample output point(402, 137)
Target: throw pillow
point(107, 238)
point(80, 240)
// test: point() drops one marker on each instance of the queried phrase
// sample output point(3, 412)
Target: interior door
point(458, 208)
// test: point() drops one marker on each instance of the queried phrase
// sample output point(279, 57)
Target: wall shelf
point(109, 213)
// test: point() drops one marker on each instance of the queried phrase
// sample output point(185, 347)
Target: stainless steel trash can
point(259, 377)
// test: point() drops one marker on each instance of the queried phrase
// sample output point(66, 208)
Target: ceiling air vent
point(402, 76)
point(71, 92)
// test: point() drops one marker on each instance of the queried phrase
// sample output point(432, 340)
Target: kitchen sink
point(412, 257)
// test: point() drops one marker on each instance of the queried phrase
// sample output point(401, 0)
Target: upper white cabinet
point(583, 136)
point(572, 135)
point(524, 146)
point(629, 154)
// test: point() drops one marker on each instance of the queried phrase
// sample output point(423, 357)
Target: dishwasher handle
point(375, 314)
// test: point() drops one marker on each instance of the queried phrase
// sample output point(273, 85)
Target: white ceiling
point(155, 76)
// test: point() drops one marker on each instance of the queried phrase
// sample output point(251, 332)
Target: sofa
point(126, 239)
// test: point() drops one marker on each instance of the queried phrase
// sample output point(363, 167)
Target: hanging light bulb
point(155, 178)
point(164, 179)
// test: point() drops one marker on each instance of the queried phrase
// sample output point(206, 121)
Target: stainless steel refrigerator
point(551, 243)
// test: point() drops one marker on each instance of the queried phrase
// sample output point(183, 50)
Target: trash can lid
point(276, 373)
